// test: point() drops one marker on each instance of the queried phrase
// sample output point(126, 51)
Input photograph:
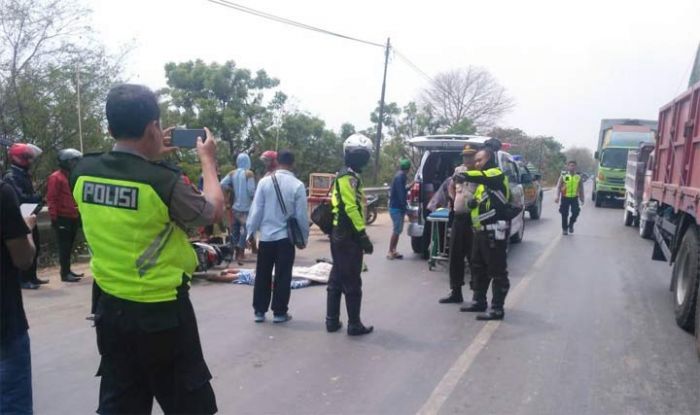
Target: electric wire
point(290, 22)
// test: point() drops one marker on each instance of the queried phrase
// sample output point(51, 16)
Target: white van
point(440, 155)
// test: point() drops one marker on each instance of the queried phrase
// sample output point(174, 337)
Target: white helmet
point(357, 142)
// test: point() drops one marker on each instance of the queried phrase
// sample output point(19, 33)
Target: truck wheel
point(685, 279)
point(646, 228)
point(629, 219)
point(536, 211)
point(593, 195)
point(598, 200)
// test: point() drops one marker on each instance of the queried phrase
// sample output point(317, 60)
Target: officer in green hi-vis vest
point(349, 241)
point(134, 211)
point(570, 191)
point(489, 220)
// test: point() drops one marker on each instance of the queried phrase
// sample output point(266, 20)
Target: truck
point(638, 212)
point(615, 139)
point(675, 192)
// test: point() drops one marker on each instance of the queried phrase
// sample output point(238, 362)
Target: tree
point(469, 93)
point(544, 152)
point(43, 46)
point(583, 157)
point(227, 99)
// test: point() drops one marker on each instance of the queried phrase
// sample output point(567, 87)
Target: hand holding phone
point(186, 137)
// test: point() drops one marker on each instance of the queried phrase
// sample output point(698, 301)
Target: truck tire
point(593, 195)
point(598, 200)
point(536, 210)
point(646, 229)
point(629, 219)
point(685, 279)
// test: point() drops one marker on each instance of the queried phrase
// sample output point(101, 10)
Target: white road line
point(454, 374)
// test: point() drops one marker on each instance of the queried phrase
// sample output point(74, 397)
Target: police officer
point(348, 239)
point(134, 210)
point(461, 234)
point(570, 188)
point(489, 221)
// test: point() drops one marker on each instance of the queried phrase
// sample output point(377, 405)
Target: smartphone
point(186, 138)
point(38, 208)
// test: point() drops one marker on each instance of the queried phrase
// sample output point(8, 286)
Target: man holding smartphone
point(134, 210)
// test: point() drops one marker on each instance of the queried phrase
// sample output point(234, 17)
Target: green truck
point(616, 138)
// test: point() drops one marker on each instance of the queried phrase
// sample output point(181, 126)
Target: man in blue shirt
point(398, 206)
point(276, 249)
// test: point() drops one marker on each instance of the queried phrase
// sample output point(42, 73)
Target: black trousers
point(30, 274)
point(345, 277)
point(489, 267)
point(280, 256)
point(566, 204)
point(66, 229)
point(151, 351)
point(461, 237)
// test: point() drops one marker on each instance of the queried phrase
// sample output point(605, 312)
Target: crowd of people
point(135, 209)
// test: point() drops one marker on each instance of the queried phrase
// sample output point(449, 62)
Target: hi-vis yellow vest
point(483, 212)
point(570, 184)
point(138, 252)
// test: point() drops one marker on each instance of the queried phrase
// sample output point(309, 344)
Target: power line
point(290, 22)
point(413, 65)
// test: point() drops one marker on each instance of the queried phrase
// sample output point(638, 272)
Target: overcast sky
point(567, 64)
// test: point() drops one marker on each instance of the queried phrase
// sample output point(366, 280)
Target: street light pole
point(378, 143)
point(80, 123)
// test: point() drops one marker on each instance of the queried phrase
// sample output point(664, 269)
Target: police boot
point(455, 297)
point(493, 314)
point(355, 327)
point(478, 304)
point(333, 322)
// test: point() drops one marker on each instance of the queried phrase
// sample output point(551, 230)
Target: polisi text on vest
point(110, 195)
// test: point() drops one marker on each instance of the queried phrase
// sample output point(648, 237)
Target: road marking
point(454, 374)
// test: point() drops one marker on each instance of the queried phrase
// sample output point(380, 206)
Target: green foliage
point(43, 49)
point(227, 99)
point(544, 152)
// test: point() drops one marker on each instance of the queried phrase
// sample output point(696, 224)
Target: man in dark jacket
point(22, 157)
point(398, 205)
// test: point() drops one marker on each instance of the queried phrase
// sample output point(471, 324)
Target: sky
point(566, 64)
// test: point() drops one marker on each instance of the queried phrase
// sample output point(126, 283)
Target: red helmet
point(22, 154)
point(269, 158)
point(269, 155)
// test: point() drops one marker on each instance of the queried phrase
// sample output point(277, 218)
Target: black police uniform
point(488, 261)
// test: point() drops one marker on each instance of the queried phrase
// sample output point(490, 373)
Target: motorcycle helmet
point(68, 157)
point(358, 150)
point(22, 154)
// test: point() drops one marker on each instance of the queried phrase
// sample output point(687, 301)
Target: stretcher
point(439, 238)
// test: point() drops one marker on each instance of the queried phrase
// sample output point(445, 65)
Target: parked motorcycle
point(372, 206)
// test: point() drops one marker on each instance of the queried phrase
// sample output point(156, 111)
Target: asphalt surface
point(589, 329)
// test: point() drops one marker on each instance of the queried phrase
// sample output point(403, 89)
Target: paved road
point(589, 330)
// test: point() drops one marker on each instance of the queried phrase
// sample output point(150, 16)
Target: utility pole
point(378, 143)
point(80, 122)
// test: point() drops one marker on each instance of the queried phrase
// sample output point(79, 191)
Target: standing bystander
point(241, 183)
point(16, 253)
point(276, 249)
point(398, 205)
point(65, 219)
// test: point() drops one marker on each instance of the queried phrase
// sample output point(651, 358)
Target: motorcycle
point(212, 253)
point(372, 206)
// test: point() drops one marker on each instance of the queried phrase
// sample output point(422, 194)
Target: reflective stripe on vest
point(138, 253)
point(483, 209)
point(570, 185)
